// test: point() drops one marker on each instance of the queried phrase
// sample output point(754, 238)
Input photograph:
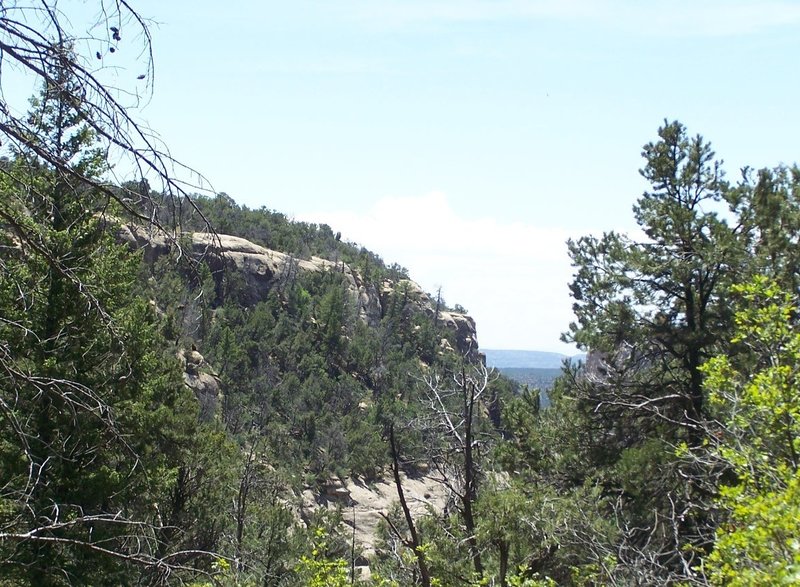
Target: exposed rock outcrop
point(152, 241)
point(263, 269)
point(465, 332)
point(462, 325)
point(198, 377)
point(363, 506)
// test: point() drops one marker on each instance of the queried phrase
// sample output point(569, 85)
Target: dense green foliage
point(756, 396)
point(598, 488)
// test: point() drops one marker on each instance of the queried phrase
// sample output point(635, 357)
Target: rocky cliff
point(264, 269)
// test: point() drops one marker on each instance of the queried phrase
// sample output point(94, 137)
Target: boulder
point(205, 385)
point(466, 335)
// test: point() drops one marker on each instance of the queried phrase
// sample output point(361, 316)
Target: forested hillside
point(191, 391)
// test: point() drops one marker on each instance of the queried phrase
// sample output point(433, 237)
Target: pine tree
point(651, 312)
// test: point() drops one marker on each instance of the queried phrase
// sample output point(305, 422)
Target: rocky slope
point(264, 269)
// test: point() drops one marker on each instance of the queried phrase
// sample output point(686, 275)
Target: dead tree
point(455, 409)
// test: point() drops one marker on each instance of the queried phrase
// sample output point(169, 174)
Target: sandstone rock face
point(263, 269)
point(462, 325)
point(466, 333)
point(154, 242)
point(362, 504)
point(193, 360)
point(206, 388)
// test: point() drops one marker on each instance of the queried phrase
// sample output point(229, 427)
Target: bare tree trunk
point(241, 506)
point(503, 548)
point(455, 411)
point(470, 481)
point(414, 544)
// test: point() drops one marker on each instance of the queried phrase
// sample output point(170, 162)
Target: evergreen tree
point(651, 312)
point(95, 418)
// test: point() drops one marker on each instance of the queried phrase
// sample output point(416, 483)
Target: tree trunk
point(414, 544)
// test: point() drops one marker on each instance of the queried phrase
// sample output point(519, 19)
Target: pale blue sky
point(466, 139)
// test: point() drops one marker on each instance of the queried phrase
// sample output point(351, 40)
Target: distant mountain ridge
point(515, 359)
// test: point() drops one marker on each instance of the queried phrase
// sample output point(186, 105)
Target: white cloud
point(512, 277)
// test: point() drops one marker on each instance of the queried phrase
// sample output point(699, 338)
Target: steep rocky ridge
point(264, 269)
point(462, 325)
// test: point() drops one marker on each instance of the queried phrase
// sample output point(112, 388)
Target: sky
point(468, 139)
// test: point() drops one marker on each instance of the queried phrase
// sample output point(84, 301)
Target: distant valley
point(503, 359)
point(535, 369)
